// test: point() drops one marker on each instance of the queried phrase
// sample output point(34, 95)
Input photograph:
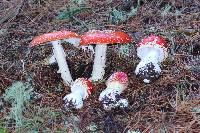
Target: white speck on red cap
point(153, 40)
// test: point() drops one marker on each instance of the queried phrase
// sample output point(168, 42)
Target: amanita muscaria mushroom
point(101, 39)
point(116, 84)
point(80, 90)
point(151, 50)
point(54, 38)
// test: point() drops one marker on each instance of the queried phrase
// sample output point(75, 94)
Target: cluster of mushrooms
point(152, 50)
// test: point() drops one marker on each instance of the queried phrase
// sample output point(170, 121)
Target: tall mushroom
point(54, 38)
point(151, 50)
point(80, 90)
point(116, 84)
point(101, 39)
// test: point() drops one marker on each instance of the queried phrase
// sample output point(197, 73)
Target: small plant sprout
point(80, 90)
point(151, 50)
point(54, 38)
point(102, 39)
point(116, 84)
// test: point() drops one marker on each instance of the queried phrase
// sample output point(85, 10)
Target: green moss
point(71, 12)
point(17, 94)
point(2, 130)
point(117, 16)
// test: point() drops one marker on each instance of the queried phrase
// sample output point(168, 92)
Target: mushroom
point(54, 38)
point(101, 39)
point(116, 84)
point(80, 90)
point(151, 50)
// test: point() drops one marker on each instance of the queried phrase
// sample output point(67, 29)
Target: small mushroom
point(54, 38)
point(101, 39)
point(116, 84)
point(80, 90)
point(151, 50)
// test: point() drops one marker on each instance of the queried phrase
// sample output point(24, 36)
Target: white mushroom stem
point(149, 55)
point(77, 95)
point(76, 98)
point(153, 55)
point(110, 92)
point(60, 58)
point(99, 62)
point(112, 88)
point(52, 59)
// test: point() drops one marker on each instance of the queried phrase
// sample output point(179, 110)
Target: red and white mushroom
point(54, 38)
point(116, 84)
point(101, 39)
point(151, 50)
point(80, 90)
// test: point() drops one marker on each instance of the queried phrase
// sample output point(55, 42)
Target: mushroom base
point(148, 72)
point(79, 92)
point(73, 100)
point(113, 100)
point(110, 97)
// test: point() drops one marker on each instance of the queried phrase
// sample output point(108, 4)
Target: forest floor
point(169, 104)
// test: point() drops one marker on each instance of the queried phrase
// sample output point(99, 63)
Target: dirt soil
point(169, 104)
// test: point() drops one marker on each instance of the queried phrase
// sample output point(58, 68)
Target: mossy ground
point(170, 104)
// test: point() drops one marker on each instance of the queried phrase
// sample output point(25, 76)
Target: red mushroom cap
point(153, 40)
point(57, 35)
point(120, 77)
point(104, 37)
point(87, 84)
